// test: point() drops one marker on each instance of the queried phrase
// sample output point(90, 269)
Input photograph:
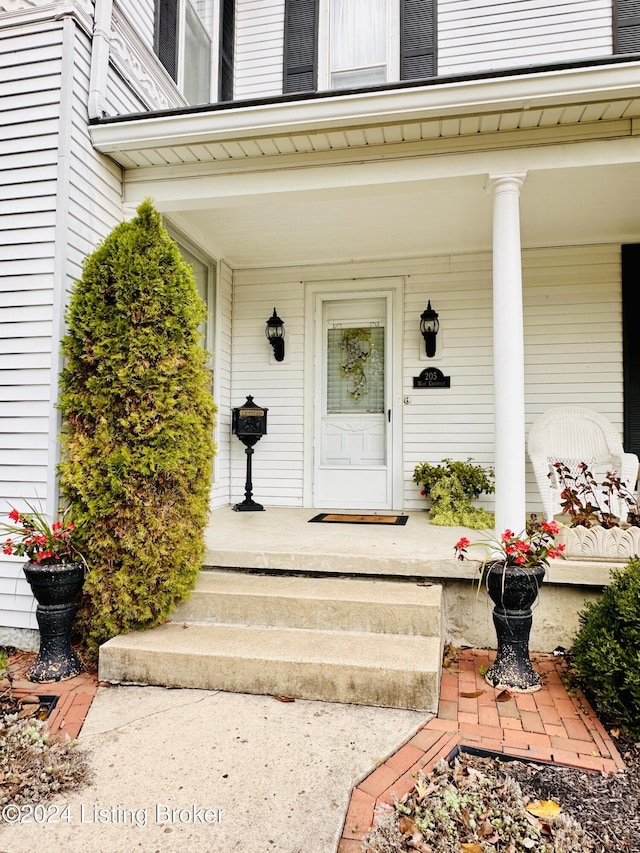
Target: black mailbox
point(249, 421)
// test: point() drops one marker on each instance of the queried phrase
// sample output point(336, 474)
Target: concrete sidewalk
point(198, 770)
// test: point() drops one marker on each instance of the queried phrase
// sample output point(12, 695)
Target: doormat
point(347, 518)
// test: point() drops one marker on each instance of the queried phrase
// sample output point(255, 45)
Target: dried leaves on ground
point(35, 765)
point(481, 805)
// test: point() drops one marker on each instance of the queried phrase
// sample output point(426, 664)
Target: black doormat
point(351, 518)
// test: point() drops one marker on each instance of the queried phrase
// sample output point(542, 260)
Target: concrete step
point(359, 641)
point(396, 671)
point(340, 604)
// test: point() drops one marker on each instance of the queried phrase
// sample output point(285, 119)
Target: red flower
point(6, 548)
point(14, 515)
point(550, 527)
point(508, 534)
point(462, 544)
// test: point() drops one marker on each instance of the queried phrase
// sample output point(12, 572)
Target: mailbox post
point(249, 423)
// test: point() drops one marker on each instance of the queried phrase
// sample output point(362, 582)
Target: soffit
point(581, 102)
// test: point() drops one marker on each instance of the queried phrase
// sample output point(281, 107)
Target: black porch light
point(429, 325)
point(274, 330)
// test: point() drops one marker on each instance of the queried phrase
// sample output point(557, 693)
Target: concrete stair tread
point(290, 586)
point(394, 671)
point(286, 601)
point(285, 644)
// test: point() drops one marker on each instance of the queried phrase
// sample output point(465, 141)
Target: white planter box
point(615, 544)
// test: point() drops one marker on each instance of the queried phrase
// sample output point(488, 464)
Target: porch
point(282, 541)
point(355, 613)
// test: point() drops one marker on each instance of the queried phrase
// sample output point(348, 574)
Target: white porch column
point(508, 353)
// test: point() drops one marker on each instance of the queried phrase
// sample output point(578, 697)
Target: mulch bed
point(607, 807)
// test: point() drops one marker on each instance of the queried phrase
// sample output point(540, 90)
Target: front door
point(353, 404)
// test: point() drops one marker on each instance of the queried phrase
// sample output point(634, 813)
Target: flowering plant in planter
point(534, 546)
point(45, 544)
point(513, 572)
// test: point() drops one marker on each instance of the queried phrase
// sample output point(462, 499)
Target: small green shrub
point(606, 650)
point(474, 479)
point(137, 428)
point(450, 487)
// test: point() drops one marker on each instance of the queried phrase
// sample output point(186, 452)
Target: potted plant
point(55, 571)
point(604, 519)
point(451, 487)
point(513, 572)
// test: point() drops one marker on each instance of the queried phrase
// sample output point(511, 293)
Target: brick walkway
point(75, 695)
point(551, 725)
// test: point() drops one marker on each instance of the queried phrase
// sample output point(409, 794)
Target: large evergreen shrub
point(137, 428)
point(606, 650)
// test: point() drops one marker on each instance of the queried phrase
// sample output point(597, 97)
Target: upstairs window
point(339, 44)
point(183, 45)
point(359, 49)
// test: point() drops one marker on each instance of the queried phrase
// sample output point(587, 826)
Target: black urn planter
point(56, 589)
point(513, 589)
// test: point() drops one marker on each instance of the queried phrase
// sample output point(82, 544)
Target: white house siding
point(474, 35)
point(31, 67)
point(259, 36)
point(573, 333)
point(58, 199)
point(222, 386)
point(455, 422)
point(278, 460)
point(573, 355)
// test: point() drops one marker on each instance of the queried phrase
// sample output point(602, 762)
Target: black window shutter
point(227, 39)
point(631, 346)
point(626, 26)
point(300, 46)
point(166, 35)
point(418, 39)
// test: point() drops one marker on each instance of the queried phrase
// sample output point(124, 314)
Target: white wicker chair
point(572, 434)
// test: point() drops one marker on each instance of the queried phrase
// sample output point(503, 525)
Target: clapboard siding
point(141, 15)
point(220, 493)
point(259, 45)
point(31, 67)
point(278, 466)
point(477, 36)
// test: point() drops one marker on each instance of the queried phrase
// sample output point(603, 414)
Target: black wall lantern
point(274, 331)
point(429, 325)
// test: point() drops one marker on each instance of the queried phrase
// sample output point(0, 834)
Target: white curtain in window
point(358, 33)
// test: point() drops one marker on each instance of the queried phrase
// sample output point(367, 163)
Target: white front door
point(353, 437)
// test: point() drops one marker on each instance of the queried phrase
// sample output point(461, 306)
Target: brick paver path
point(554, 724)
point(75, 695)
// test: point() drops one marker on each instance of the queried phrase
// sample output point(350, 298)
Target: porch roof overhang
point(237, 177)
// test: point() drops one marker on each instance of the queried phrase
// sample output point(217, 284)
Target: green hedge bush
point(606, 650)
point(138, 419)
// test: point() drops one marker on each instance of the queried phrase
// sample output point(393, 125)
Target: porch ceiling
point(446, 216)
point(393, 173)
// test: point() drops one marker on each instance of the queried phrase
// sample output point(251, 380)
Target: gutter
point(100, 47)
point(440, 98)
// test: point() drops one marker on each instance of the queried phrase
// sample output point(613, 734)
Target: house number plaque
point(431, 377)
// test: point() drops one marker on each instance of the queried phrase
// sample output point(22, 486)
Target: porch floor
point(281, 538)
